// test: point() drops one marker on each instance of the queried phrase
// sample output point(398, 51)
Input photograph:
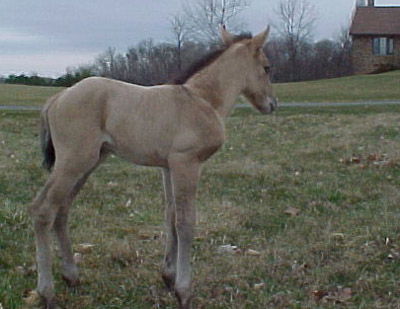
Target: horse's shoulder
point(203, 129)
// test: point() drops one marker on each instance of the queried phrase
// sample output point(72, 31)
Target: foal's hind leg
point(69, 268)
point(171, 249)
point(43, 216)
point(45, 209)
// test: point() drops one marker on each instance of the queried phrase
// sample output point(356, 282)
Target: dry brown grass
point(340, 168)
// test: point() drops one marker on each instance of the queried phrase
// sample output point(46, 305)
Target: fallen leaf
point(253, 252)
point(130, 230)
point(31, 269)
point(292, 211)
point(355, 159)
point(19, 269)
point(381, 163)
point(345, 294)
point(319, 294)
point(147, 237)
point(77, 258)
point(216, 292)
point(258, 286)
point(338, 235)
point(341, 296)
point(373, 157)
point(32, 298)
point(227, 249)
point(85, 247)
point(300, 269)
point(393, 255)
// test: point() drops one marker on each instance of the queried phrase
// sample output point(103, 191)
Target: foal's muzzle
point(270, 106)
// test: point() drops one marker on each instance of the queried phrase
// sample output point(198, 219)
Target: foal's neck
point(220, 83)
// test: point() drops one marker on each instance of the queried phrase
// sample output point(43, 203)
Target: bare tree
point(205, 17)
point(179, 28)
point(345, 58)
point(111, 64)
point(295, 25)
point(106, 62)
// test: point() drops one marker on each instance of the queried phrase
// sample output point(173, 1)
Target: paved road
point(19, 108)
point(33, 108)
point(332, 104)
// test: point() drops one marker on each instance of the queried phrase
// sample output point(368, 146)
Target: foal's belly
point(149, 152)
point(151, 158)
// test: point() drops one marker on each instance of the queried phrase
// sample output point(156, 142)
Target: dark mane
point(206, 60)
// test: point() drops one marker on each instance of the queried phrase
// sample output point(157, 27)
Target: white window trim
point(383, 46)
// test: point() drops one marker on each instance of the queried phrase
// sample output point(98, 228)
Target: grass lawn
point(315, 192)
point(383, 87)
point(22, 95)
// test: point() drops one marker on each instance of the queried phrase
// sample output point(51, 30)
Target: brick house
point(376, 37)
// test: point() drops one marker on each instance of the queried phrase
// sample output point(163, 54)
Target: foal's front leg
point(184, 175)
point(171, 248)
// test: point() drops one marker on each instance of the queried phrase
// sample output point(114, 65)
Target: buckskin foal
point(176, 127)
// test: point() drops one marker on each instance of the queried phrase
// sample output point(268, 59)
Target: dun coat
point(174, 127)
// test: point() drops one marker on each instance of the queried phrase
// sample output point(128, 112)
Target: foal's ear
point(259, 40)
point(226, 37)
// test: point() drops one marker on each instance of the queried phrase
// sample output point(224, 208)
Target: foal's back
point(141, 124)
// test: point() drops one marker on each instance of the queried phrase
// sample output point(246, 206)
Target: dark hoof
point(184, 303)
point(169, 281)
point(50, 303)
point(71, 283)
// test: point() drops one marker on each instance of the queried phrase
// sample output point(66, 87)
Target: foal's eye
point(267, 69)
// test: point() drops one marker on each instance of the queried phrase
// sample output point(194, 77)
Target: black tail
point(49, 155)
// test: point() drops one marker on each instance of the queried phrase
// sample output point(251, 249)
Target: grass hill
point(382, 87)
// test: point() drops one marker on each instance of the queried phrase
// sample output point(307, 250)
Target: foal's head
point(257, 83)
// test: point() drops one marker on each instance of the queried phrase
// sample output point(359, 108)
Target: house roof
point(376, 21)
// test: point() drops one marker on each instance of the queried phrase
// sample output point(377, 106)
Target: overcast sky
point(46, 36)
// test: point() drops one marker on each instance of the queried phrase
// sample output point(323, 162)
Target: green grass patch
point(22, 95)
point(339, 167)
point(382, 87)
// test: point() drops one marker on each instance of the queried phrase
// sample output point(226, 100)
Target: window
point(383, 46)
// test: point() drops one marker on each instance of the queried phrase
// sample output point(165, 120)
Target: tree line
point(294, 54)
point(70, 78)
